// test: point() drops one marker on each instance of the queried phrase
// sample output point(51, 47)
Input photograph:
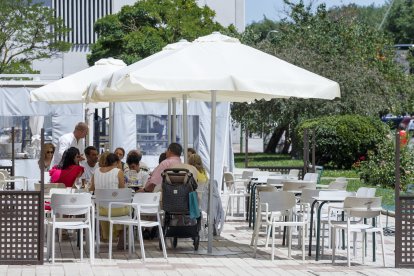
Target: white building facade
point(80, 16)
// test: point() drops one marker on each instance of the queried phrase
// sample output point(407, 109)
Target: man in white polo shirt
point(72, 139)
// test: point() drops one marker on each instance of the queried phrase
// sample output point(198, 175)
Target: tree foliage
point(400, 21)
point(28, 32)
point(352, 136)
point(338, 46)
point(143, 29)
point(379, 168)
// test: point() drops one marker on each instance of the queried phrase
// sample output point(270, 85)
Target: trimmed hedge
point(342, 140)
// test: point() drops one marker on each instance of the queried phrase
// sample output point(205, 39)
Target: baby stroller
point(176, 187)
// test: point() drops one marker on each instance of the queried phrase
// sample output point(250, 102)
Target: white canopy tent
point(15, 102)
point(71, 88)
point(219, 68)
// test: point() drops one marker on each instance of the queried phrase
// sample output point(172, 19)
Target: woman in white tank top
point(108, 177)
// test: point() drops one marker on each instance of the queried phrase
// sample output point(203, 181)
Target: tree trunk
point(287, 143)
point(274, 140)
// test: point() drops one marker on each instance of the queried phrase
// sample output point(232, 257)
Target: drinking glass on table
point(78, 184)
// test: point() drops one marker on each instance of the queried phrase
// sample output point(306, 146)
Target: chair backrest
point(266, 188)
point(71, 204)
point(294, 172)
point(278, 201)
point(338, 185)
point(308, 195)
point(49, 186)
point(363, 207)
point(148, 198)
point(366, 192)
point(271, 180)
point(256, 174)
point(104, 196)
point(247, 174)
point(60, 191)
point(298, 185)
point(311, 177)
point(4, 174)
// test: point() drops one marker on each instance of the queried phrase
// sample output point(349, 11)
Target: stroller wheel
point(174, 242)
point(196, 242)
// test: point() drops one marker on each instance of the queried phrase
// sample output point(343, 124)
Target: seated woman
point(109, 176)
point(195, 160)
point(48, 151)
point(135, 174)
point(68, 169)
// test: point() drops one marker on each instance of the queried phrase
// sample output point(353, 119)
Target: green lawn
point(274, 160)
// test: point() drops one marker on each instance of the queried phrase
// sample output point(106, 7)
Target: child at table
point(134, 174)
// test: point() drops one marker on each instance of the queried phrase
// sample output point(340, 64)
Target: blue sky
point(273, 9)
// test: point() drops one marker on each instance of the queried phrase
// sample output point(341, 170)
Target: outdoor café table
point(321, 201)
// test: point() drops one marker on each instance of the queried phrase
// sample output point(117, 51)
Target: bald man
point(72, 139)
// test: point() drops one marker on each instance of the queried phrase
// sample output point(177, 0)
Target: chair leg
point(273, 242)
point(289, 229)
point(348, 247)
point(354, 242)
point(98, 236)
point(164, 251)
point(141, 244)
point(363, 246)
point(268, 231)
point(303, 241)
point(333, 241)
point(81, 243)
point(110, 241)
point(53, 244)
point(48, 243)
point(382, 246)
point(91, 245)
point(256, 235)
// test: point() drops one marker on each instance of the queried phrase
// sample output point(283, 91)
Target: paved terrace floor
point(235, 237)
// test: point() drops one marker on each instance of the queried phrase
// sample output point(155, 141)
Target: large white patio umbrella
point(217, 68)
point(71, 88)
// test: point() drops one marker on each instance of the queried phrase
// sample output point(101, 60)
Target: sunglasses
point(50, 152)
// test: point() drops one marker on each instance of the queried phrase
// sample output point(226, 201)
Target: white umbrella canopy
point(110, 80)
point(71, 88)
point(216, 68)
point(216, 62)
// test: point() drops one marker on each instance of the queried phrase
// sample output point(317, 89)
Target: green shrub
point(341, 140)
point(379, 168)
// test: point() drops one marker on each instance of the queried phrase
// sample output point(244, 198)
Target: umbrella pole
point(212, 153)
point(185, 129)
point(169, 122)
point(174, 120)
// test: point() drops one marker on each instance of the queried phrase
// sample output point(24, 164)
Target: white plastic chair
point(313, 177)
point(72, 205)
point(262, 215)
point(102, 199)
point(6, 178)
point(294, 173)
point(330, 212)
point(277, 205)
point(366, 192)
point(235, 189)
point(359, 208)
point(335, 185)
point(298, 185)
point(143, 204)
